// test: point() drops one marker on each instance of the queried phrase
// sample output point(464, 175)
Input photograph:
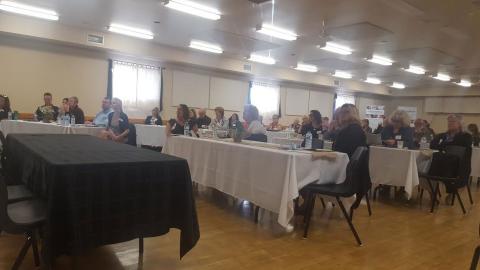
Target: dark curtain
point(161, 88)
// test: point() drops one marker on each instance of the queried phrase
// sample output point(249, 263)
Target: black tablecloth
point(100, 192)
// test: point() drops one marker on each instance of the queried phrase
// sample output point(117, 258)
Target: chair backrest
point(3, 152)
point(257, 138)
point(5, 223)
point(451, 163)
point(374, 139)
point(357, 171)
point(132, 135)
point(464, 155)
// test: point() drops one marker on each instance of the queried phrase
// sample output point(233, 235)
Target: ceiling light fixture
point(194, 8)
point(28, 10)
point(373, 80)
point(277, 32)
point(262, 59)
point(398, 85)
point(380, 60)
point(442, 77)
point(336, 48)
point(130, 31)
point(464, 83)
point(415, 70)
point(342, 74)
point(306, 68)
point(205, 46)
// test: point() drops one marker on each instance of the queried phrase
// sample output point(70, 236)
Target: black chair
point(357, 182)
point(450, 168)
point(257, 138)
point(476, 256)
point(25, 217)
point(16, 193)
point(132, 135)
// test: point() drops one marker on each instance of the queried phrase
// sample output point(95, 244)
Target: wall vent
point(95, 39)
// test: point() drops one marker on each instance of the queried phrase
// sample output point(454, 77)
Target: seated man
point(47, 112)
point(101, 119)
point(76, 111)
point(275, 125)
point(203, 120)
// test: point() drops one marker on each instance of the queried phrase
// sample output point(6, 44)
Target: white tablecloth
point(475, 162)
point(19, 126)
point(268, 177)
point(151, 135)
point(279, 134)
point(287, 141)
point(397, 167)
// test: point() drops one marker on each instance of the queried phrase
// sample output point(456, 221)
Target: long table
point(397, 167)
point(151, 135)
point(101, 192)
point(267, 176)
point(27, 127)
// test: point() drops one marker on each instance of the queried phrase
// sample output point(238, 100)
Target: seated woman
point(64, 109)
point(314, 125)
point(233, 120)
point(366, 126)
point(473, 130)
point(4, 107)
point(296, 126)
point(254, 126)
point(350, 132)
point(398, 129)
point(455, 136)
point(219, 122)
point(420, 131)
point(275, 125)
point(155, 118)
point(117, 128)
point(177, 126)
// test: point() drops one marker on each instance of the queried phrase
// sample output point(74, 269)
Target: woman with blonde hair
point(350, 133)
point(398, 129)
point(220, 121)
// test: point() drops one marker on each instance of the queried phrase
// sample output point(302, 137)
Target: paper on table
point(324, 155)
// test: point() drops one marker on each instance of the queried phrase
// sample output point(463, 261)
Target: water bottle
point(72, 120)
point(186, 129)
point(308, 140)
point(67, 120)
point(423, 143)
point(10, 116)
point(59, 120)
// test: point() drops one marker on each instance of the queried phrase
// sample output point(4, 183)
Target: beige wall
point(26, 73)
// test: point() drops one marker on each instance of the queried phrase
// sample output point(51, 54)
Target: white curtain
point(344, 99)
point(266, 98)
point(138, 87)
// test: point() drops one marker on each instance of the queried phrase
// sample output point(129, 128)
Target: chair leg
point(476, 256)
point(322, 201)
point(434, 197)
point(308, 214)
point(421, 195)
point(453, 200)
point(469, 194)
point(460, 201)
point(36, 256)
point(22, 253)
point(257, 209)
point(140, 245)
point(349, 220)
point(368, 205)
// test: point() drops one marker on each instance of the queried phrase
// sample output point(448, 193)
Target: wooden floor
point(399, 235)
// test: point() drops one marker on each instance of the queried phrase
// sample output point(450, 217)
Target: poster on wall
point(411, 111)
point(375, 115)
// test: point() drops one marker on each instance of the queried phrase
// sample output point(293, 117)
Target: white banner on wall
point(375, 115)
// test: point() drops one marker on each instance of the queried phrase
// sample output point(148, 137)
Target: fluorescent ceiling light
point(373, 80)
point(27, 10)
point(194, 8)
point(277, 32)
point(130, 31)
point(464, 83)
point(336, 48)
point(262, 59)
point(415, 70)
point(397, 85)
point(205, 46)
point(380, 60)
point(307, 68)
point(342, 74)
point(442, 77)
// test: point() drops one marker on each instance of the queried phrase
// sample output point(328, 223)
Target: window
point(138, 87)
point(344, 99)
point(266, 98)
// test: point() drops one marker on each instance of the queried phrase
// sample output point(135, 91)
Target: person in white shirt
point(251, 116)
point(219, 122)
point(101, 119)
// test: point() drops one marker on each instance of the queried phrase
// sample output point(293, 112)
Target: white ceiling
point(441, 35)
